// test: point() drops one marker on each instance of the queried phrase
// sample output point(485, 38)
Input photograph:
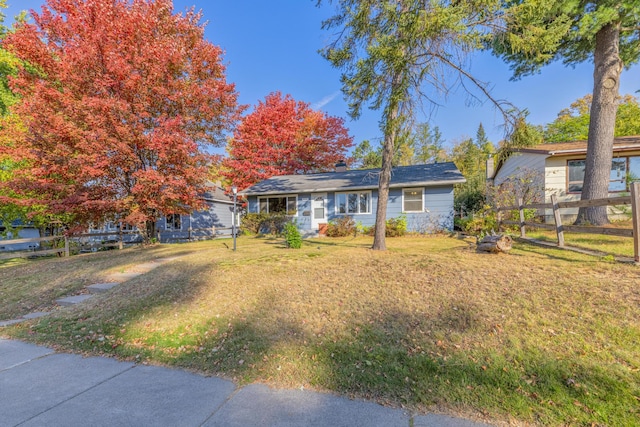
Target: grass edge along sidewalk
point(537, 336)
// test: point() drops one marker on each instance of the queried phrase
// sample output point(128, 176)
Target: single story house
point(423, 193)
point(561, 168)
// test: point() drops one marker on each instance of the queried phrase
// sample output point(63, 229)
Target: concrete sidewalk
point(39, 387)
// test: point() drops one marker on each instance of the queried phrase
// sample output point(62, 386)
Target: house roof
point(623, 143)
point(401, 176)
point(216, 193)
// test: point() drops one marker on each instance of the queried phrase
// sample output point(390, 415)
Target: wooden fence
point(633, 200)
point(60, 245)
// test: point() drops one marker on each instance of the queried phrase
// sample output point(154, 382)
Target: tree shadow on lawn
point(96, 324)
point(555, 253)
point(448, 360)
point(403, 360)
point(24, 291)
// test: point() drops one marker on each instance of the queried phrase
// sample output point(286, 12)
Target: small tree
point(572, 124)
point(282, 136)
point(118, 102)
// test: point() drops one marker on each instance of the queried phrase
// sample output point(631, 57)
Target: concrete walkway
point(39, 387)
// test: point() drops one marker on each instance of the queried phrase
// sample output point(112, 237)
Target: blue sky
point(273, 46)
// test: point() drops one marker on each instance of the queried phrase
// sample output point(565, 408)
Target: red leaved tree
point(284, 137)
point(118, 102)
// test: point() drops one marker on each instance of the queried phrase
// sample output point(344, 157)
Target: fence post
point(558, 219)
point(66, 246)
point(120, 236)
point(523, 231)
point(635, 212)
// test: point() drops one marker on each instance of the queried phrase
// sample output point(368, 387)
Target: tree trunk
point(379, 242)
point(604, 106)
point(391, 131)
point(150, 230)
point(495, 243)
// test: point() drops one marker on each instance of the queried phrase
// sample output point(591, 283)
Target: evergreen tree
point(538, 32)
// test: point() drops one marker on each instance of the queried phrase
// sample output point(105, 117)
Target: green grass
point(537, 336)
point(612, 245)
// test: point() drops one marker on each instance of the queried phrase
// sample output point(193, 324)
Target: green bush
point(395, 227)
point(478, 224)
point(292, 236)
point(263, 223)
point(342, 227)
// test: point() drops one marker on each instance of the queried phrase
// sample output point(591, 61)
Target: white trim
point(369, 202)
point(316, 221)
point(172, 228)
point(274, 196)
point(421, 189)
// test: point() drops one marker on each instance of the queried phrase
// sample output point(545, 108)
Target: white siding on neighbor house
point(555, 177)
point(519, 162)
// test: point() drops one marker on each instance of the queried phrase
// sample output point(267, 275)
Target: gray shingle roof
point(402, 176)
point(216, 193)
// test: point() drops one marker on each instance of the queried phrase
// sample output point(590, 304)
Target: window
point(353, 203)
point(173, 222)
point(126, 227)
point(576, 175)
point(279, 204)
point(623, 171)
point(412, 200)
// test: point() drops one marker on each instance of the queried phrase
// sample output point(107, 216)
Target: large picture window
point(278, 204)
point(624, 170)
point(412, 200)
point(353, 203)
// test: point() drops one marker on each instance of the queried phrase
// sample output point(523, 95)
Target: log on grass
point(495, 243)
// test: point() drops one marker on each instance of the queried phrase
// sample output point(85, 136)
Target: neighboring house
point(214, 220)
point(27, 231)
point(561, 167)
point(423, 193)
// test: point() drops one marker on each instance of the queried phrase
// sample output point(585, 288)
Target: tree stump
point(495, 243)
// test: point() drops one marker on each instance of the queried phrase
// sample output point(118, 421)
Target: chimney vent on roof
point(341, 166)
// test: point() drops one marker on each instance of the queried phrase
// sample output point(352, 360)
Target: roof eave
point(355, 188)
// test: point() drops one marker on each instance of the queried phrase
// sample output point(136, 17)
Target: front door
point(318, 209)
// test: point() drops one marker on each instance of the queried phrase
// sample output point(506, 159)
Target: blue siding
point(23, 233)
point(202, 223)
point(437, 215)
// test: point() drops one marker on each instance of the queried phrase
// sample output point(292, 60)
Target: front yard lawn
point(537, 336)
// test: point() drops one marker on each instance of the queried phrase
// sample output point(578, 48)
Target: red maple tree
point(118, 103)
point(284, 137)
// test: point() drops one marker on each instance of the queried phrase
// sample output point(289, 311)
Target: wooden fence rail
point(115, 239)
point(633, 200)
